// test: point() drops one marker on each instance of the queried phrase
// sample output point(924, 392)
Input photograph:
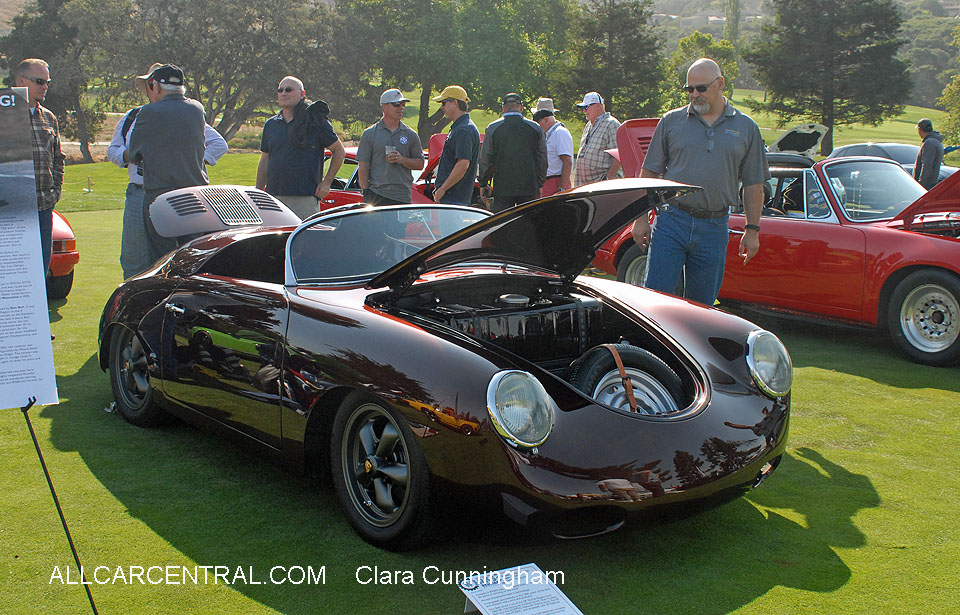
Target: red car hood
point(942, 198)
point(559, 234)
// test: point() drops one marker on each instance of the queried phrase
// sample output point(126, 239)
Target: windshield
point(872, 190)
point(357, 245)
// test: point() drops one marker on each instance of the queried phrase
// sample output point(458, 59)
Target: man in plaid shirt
point(600, 134)
point(34, 74)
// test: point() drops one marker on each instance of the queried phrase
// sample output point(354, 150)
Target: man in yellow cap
point(457, 171)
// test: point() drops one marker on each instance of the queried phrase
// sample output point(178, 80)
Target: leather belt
point(701, 213)
point(552, 176)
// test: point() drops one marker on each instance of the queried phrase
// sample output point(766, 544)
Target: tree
point(731, 27)
point(233, 52)
point(490, 47)
point(41, 32)
point(833, 62)
point(932, 61)
point(951, 101)
point(693, 47)
point(618, 55)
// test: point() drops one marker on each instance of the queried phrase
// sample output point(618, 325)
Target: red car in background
point(63, 259)
point(346, 188)
point(853, 240)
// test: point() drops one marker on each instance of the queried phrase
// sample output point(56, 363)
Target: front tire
point(380, 475)
point(633, 266)
point(924, 317)
point(130, 380)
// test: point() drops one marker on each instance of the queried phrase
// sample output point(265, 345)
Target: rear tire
point(130, 380)
point(58, 287)
point(924, 317)
point(380, 475)
point(657, 388)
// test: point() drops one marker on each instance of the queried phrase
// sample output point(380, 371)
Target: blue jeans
point(133, 237)
point(46, 237)
point(694, 247)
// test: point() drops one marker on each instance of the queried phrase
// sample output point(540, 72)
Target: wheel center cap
point(368, 466)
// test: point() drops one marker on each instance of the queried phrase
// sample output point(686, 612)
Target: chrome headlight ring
point(521, 409)
point(770, 363)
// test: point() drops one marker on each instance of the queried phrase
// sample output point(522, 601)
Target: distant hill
point(9, 8)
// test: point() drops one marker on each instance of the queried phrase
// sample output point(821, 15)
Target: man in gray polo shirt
point(388, 152)
point(708, 143)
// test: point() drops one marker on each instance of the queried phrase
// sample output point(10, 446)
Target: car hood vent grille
point(230, 206)
point(206, 209)
point(263, 200)
point(186, 204)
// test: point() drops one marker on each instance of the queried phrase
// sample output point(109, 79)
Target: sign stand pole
point(56, 501)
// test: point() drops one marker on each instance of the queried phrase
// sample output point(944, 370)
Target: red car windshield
point(869, 191)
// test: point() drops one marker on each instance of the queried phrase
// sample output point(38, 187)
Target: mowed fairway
point(860, 517)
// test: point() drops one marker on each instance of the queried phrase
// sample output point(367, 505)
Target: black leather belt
point(552, 176)
point(701, 213)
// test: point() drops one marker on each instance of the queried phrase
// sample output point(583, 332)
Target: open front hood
point(803, 139)
point(942, 198)
point(558, 234)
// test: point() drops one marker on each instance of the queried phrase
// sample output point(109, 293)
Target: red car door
point(809, 260)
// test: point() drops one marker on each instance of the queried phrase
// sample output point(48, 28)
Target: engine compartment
point(556, 328)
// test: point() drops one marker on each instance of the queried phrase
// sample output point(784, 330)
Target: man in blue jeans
point(711, 144)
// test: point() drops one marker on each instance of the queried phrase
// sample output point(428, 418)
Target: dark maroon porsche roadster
point(429, 350)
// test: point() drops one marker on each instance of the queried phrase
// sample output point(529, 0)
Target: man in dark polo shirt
point(708, 143)
point(514, 156)
point(388, 152)
point(457, 171)
point(292, 151)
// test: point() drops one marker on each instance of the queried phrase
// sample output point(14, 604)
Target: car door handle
point(331, 201)
point(175, 309)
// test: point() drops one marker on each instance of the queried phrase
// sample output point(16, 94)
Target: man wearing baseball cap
point(168, 141)
point(133, 238)
point(513, 156)
point(388, 151)
point(930, 157)
point(457, 171)
point(600, 134)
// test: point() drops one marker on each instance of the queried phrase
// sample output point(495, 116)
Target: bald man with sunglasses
point(711, 144)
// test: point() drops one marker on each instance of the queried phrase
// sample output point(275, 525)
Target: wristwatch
point(752, 227)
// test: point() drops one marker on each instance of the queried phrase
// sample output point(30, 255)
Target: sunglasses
point(398, 105)
point(38, 80)
point(700, 88)
point(287, 90)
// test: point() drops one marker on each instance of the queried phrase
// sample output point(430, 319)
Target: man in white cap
point(388, 151)
point(594, 164)
point(133, 237)
point(559, 148)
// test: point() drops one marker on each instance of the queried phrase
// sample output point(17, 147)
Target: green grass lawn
point(860, 517)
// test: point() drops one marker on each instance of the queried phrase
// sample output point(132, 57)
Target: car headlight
point(769, 363)
point(520, 407)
